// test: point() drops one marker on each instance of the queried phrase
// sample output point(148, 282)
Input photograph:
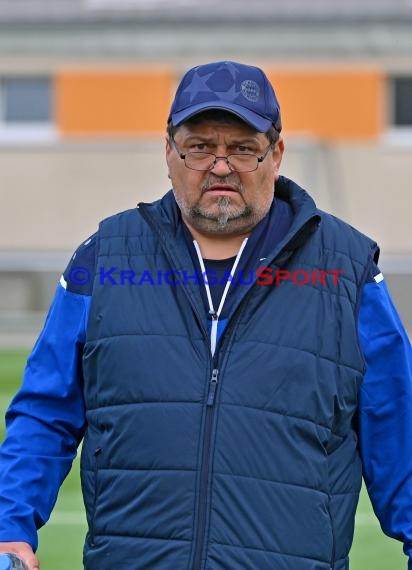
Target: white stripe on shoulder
point(63, 282)
point(378, 278)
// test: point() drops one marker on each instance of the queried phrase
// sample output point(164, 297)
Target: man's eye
point(199, 147)
point(241, 148)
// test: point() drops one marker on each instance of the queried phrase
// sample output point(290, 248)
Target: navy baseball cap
point(243, 90)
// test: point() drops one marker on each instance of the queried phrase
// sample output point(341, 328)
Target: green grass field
point(61, 540)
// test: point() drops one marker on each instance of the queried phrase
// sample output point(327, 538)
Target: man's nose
point(221, 166)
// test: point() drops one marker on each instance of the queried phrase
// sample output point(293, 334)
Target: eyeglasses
point(204, 161)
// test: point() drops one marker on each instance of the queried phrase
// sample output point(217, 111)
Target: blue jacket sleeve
point(45, 421)
point(385, 412)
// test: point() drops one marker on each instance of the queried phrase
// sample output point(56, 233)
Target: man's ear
point(277, 154)
point(168, 150)
point(168, 147)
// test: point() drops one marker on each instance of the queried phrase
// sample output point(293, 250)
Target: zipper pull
point(212, 387)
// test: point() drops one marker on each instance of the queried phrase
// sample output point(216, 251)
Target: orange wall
point(333, 105)
point(329, 104)
point(99, 103)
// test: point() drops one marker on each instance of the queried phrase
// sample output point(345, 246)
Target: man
point(215, 365)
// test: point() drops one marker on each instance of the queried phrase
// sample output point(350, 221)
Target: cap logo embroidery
point(250, 90)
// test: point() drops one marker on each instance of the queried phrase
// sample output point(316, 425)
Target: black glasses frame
point(183, 156)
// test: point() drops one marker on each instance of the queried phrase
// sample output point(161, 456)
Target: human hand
point(23, 550)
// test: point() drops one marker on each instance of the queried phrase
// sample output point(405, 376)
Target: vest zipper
point(212, 387)
point(204, 473)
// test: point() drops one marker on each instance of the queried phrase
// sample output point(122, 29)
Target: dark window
point(27, 100)
point(402, 101)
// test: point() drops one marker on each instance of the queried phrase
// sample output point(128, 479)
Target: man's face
point(220, 201)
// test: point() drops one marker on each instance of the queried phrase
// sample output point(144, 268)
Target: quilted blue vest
point(249, 460)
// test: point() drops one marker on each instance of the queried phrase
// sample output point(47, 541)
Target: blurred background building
point(85, 89)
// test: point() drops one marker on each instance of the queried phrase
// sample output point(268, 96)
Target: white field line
point(366, 519)
point(72, 518)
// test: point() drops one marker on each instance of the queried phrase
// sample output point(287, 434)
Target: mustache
point(230, 179)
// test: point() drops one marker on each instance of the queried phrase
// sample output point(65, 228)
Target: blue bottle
point(11, 562)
